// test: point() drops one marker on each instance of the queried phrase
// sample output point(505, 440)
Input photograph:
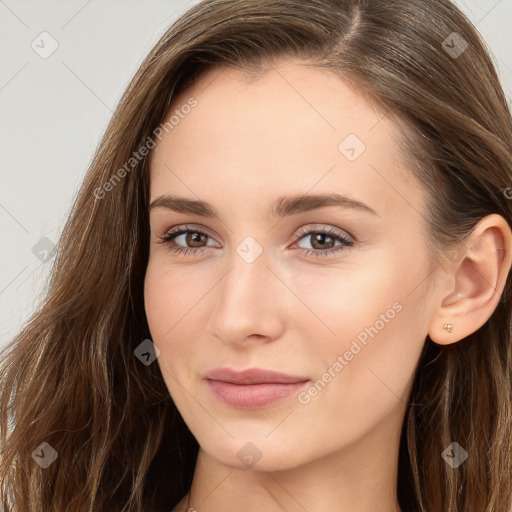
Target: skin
point(246, 143)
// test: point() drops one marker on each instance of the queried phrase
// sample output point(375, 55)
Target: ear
point(470, 290)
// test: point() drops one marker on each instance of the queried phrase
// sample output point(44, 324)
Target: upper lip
point(252, 376)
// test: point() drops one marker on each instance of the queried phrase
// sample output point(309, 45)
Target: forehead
point(289, 129)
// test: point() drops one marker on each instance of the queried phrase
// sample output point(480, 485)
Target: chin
point(256, 453)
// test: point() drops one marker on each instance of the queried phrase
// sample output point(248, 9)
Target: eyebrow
point(283, 206)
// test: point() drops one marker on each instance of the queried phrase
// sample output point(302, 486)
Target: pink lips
point(253, 388)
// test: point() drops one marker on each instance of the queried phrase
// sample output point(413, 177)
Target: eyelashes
point(324, 233)
point(168, 239)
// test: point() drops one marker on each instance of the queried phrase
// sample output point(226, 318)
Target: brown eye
point(195, 238)
point(323, 241)
point(192, 240)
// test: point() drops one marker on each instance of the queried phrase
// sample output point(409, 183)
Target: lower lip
point(252, 396)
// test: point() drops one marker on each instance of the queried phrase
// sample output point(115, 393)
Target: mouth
point(254, 388)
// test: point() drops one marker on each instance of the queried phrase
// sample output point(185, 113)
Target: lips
point(253, 388)
point(252, 376)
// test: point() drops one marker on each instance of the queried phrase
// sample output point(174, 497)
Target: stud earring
point(448, 327)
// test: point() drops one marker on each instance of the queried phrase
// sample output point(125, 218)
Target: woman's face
point(347, 310)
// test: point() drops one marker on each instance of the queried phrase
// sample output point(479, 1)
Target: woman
point(283, 284)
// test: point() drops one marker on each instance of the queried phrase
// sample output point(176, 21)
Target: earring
point(448, 327)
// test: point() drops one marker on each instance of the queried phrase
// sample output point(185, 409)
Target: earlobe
point(476, 281)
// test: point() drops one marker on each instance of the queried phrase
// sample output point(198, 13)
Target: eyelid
point(303, 230)
point(188, 227)
point(343, 233)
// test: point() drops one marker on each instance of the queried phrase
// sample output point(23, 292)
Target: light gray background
point(53, 112)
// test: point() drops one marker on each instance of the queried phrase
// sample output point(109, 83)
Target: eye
point(323, 240)
point(193, 236)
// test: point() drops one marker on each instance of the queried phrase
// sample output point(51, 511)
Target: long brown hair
point(70, 377)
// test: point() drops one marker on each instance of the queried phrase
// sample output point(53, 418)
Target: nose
point(251, 303)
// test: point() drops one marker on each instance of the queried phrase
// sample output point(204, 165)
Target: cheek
point(169, 295)
point(157, 302)
point(349, 299)
point(375, 375)
point(173, 299)
point(379, 323)
point(162, 305)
